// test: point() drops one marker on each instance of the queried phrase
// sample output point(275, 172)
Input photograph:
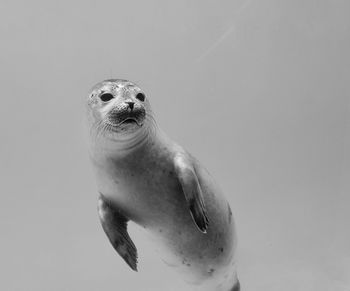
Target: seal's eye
point(106, 97)
point(141, 97)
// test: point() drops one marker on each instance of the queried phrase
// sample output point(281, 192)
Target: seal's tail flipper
point(115, 226)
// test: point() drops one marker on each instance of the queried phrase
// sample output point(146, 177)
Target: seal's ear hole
point(140, 96)
point(106, 97)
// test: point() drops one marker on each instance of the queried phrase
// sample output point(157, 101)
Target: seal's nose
point(131, 105)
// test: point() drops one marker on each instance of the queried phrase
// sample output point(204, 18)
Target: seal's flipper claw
point(115, 226)
point(199, 215)
point(192, 191)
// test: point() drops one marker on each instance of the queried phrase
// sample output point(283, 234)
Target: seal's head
point(117, 109)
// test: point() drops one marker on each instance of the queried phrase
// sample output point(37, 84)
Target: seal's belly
point(162, 209)
point(155, 201)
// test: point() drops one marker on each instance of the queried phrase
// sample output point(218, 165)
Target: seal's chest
point(151, 193)
point(145, 182)
point(159, 179)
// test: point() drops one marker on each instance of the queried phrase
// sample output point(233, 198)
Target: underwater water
point(256, 90)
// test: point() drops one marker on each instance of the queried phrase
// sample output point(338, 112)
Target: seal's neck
point(113, 146)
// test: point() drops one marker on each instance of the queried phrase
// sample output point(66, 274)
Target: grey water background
point(256, 90)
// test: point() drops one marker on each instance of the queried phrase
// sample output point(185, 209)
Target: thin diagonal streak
point(216, 44)
point(225, 34)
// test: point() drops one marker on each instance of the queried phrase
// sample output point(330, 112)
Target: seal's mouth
point(130, 120)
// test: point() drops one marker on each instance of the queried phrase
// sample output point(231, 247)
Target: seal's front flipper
point(114, 224)
point(192, 191)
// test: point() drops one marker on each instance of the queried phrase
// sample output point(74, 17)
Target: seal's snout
point(127, 113)
point(131, 105)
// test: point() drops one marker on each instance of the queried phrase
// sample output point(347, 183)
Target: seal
point(145, 177)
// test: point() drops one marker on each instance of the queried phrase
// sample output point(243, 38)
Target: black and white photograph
point(175, 145)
